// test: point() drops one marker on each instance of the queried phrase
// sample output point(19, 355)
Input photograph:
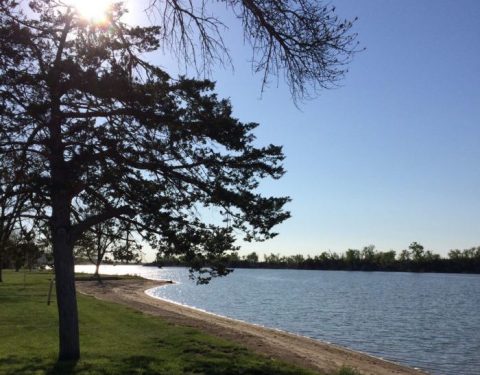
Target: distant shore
point(292, 348)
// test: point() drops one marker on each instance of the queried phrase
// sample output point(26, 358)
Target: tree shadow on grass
point(137, 364)
point(13, 365)
point(4, 299)
point(202, 365)
point(62, 367)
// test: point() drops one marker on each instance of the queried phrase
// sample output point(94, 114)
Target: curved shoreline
point(290, 347)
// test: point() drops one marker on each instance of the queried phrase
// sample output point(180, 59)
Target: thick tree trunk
point(65, 280)
point(66, 297)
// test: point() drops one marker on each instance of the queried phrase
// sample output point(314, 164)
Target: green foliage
point(116, 339)
point(416, 251)
point(252, 258)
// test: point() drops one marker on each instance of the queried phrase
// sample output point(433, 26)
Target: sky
point(389, 157)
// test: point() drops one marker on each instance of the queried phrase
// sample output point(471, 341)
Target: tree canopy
point(135, 144)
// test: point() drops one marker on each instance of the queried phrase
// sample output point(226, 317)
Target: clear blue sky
point(393, 155)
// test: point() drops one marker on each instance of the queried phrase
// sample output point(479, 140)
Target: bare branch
point(303, 40)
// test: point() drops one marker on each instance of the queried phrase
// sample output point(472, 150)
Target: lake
point(429, 321)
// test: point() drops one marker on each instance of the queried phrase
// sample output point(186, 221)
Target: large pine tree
point(110, 133)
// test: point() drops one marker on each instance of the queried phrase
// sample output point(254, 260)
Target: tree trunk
point(66, 297)
point(99, 253)
point(97, 273)
point(97, 267)
point(65, 279)
point(2, 249)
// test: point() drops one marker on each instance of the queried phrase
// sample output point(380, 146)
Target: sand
point(303, 351)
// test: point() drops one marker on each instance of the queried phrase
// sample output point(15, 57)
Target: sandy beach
point(313, 354)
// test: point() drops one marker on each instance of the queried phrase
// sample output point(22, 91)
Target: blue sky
point(392, 155)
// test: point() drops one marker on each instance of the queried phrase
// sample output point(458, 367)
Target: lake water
point(429, 321)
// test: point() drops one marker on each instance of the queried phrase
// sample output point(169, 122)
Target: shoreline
point(275, 343)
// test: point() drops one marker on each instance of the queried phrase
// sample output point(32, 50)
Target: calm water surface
point(430, 321)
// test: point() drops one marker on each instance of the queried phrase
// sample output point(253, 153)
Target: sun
point(95, 11)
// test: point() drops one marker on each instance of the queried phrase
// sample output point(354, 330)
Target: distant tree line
point(413, 259)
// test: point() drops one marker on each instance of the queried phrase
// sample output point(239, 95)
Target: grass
point(347, 371)
point(114, 339)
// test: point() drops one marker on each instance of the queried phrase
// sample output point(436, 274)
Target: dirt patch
point(289, 347)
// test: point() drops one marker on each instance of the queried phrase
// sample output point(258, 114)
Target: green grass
point(347, 371)
point(114, 339)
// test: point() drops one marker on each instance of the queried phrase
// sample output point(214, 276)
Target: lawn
point(114, 339)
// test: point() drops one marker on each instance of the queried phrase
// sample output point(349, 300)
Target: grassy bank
point(114, 339)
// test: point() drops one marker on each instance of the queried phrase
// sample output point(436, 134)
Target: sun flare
point(95, 11)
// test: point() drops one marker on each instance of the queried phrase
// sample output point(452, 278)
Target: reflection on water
point(430, 321)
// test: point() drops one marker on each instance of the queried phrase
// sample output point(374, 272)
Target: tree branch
point(90, 221)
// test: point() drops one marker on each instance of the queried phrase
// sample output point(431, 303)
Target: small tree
point(127, 249)
point(417, 251)
point(102, 239)
point(352, 258)
point(404, 256)
point(251, 258)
